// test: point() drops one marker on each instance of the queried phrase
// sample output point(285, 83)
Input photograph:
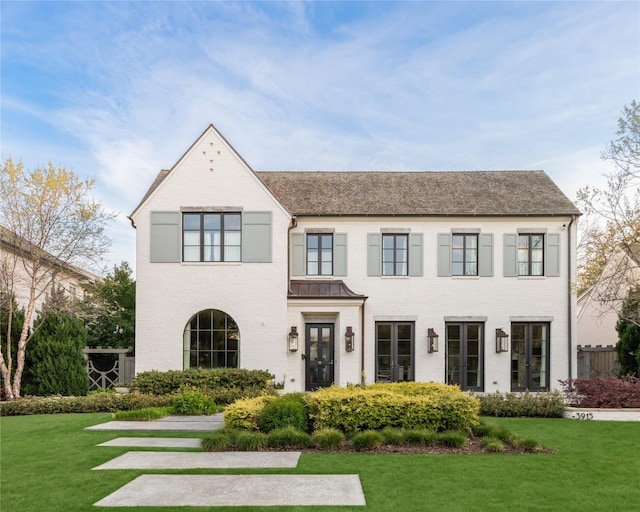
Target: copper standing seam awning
point(335, 289)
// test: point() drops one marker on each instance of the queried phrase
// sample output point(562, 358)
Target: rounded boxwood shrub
point(283, 411)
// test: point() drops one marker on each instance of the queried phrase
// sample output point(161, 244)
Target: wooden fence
point(597, 361)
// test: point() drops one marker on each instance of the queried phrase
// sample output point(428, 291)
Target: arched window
point(211, 340)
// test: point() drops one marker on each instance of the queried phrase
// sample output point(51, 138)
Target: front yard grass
point(46, 461)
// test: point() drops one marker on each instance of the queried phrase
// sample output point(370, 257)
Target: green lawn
point(46, 462)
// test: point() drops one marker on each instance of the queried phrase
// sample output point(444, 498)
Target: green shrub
point(420, 436)
point(327, 438)
point(452, 438)
point(367, 440)
point(392, 435)
point(162, 383)
point(146, 414)
point(283, 411)
point(493, 445)
point(288, 437)
point(245, 413)
point(55, 363)
point(218, 441)
point(251, 441)
point(98, 402)
point(191, 401)
point(403, 405)
point(538, 405)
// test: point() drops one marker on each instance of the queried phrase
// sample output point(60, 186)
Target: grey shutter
point(444, 254)
point(165, 237)
point(256, 237)
point(510, 255)
point(415, 254)
point(552, 255)
point(485, 255)
point(340, 254)
point(298, 256)
point(374, 254)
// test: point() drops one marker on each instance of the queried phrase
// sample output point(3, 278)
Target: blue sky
point(119, 90)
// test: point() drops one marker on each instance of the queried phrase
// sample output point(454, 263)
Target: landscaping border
point(584, 413)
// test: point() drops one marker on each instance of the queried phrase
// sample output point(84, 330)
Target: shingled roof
point(486, 193)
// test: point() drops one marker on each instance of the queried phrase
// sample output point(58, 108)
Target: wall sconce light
point(433, 340)
point(293, 339)
point(348, 338)
point(502, 341)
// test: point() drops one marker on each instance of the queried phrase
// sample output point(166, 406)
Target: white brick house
point(230, 262)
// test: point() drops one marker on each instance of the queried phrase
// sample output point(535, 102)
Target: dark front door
point(319, 356)
point(530, 356)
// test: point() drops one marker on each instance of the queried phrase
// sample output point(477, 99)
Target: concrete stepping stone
point(154, 442)
point(199, 460)
point(237, 490)
point(168, 423)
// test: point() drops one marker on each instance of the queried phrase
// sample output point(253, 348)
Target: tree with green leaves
point(51, 222)
point(110, 309)
point(609, 249)
point(629, 335)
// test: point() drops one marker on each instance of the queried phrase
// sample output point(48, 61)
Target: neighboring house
point(598, 309)
point(15, 259)
point(459, 277)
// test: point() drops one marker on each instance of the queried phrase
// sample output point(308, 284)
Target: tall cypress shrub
point(55, 363)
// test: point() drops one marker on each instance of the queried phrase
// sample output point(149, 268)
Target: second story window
point(395, 255)
point(211, 236)
point(530, 255)
point(464, 255)
point(319, 254)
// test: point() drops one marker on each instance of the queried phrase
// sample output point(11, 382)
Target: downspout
point(569, 300)
point(293, 224)
point(362, 378)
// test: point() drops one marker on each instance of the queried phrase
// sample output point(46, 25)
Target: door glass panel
point(383, 340)
point(453, 354)
point(319, 356)
point(518, 356)
point(394, 352)
point(473, 356)
point(313, 343)
point(404, 352)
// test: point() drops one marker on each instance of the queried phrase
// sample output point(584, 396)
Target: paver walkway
point(198, 460)
point(215, 490)
point(168, 424)
point(237, 490)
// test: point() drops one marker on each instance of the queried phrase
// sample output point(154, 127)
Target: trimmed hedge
point(164, 383)
point(97, 402)
point(539, 405)
point(413, 405)
point(285, 411)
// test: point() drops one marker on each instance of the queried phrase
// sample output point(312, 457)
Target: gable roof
point(468, 193)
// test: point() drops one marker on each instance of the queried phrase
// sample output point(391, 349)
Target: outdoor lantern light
point(293, 339)
point(348, 338)
point(433, 340)
point(502, 341)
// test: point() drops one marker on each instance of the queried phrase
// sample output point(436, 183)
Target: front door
point(319, 356)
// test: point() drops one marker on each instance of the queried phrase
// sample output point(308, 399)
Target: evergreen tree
point(629, 335)
point(55, 362)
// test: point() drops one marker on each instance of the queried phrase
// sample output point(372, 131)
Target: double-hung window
point(395, 255)
point(211, 236)
point(464, 254)
point(530, 254)
point(319, 254)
